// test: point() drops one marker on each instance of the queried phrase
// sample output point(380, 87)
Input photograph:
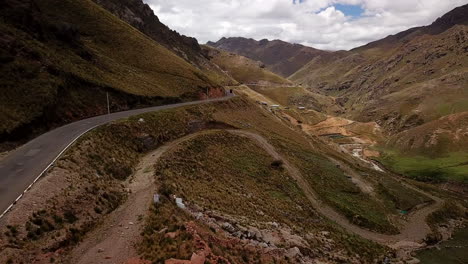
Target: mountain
point(415, 86)
point(242, 69)
point(280, 57)
point(59, 58)
point(455, 17)
point(402, 81)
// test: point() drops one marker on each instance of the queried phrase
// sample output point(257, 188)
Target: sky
point(322, 24)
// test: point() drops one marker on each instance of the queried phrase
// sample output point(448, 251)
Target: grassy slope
point(215, 171)
point(435, 151)
point(413, 89)
point(107, 155)
point(397, 84)
point(63, 61)
point(242, 69)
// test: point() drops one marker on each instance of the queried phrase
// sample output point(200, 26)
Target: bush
point(277, 164)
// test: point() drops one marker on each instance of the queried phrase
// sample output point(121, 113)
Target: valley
point(123, 141)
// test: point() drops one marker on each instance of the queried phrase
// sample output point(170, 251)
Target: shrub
point(277, 164)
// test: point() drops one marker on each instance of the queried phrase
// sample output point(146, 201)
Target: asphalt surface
point(22, 166)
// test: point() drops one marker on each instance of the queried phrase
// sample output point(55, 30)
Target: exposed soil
point(113, 241)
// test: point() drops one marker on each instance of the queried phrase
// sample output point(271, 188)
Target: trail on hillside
point(414, 231)
point(114, 240)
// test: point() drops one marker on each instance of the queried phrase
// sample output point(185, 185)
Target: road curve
point(411, 234)
point(23, 166)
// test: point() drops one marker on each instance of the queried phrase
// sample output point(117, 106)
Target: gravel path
point(113, 241)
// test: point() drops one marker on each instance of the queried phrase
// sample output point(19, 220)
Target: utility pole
point(108, 107)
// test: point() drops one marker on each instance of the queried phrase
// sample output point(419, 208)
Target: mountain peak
point(280, 57)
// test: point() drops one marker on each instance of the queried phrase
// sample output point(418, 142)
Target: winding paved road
point(23, 167)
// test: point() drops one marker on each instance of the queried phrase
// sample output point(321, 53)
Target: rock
point(156, 198)
point(325, 233)
point(180, 203)
point(263, 245)
point(197, 258)
point(130, 223)
point(293, 252)
point(413, 261)
point(100, 250)
point(171, 235)
point(228, 227)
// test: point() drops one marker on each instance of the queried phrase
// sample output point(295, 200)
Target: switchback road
point(25, 165)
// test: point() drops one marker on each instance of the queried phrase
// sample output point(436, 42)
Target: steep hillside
point(242, 69)
point(59, 58)
point(400, 83)
point(279, 57)
point(435, 151)
point(415, 86)
point(455, 17)
point(139, 15)
point(266, 86)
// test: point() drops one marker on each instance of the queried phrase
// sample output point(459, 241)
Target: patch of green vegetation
point(334, 188)
point(402, 198)
point(282, 95)
point(156, 245)
point(217, 172)
point(453, 251)
point(450, 167)
point(448, 108)
point(232, 175)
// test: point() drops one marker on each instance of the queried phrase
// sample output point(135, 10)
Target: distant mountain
point(243, 69)
point(280, 57)
point(403, 80)
point(457, 16)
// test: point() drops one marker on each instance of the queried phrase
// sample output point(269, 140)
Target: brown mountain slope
point(59, 58)
point(455, 17)
point(401, 84)
point(415, 85)
point(280, 57)
point(242, 69)
point(139, 15)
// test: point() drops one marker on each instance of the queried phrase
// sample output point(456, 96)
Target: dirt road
point(114, 240)
point(415, 230)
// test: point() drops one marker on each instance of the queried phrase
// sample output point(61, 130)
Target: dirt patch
point(113, 241)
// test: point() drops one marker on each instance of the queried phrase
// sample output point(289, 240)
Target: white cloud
point(313, 22)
